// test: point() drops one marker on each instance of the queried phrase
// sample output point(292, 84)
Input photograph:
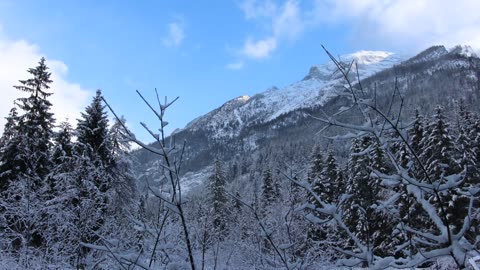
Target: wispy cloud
point(235, 65)
point(283, 22)
point(397, 24)
point(254, 9)
point(175, 34)
point(260, 48)
point(17, 56)
point(414, 24)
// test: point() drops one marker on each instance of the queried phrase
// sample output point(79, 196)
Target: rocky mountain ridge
point(243, 131)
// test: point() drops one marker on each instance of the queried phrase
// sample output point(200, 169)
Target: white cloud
point(235, 65)
point(254, 9)
point(413, 24)
point(259, 49)
point(289, 22)
point(398, 24)
point(68, 98)
point(283, 22)
point(175, 35)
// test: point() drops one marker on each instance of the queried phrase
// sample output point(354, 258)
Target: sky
point(205, 52)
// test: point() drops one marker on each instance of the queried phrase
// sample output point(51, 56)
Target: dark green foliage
point(26, 160)
point(93, 133)
point(331, 179)
point(10, 166)
point(372, 226)
point(438, 156)
point(270, 189)
point(36, 124)
point(218, 198)
point(63, 143)
point(314, 175)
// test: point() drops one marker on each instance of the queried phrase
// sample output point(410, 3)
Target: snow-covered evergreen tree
point(331, 179)
point(439, 159)
point(314, 174)
point(218, 198)
point(93, 134)
point(372, 226)
point(28, 154)
point(10, 166)
point(270, 190)
point(123, 180)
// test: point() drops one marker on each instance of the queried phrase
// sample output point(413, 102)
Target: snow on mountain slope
point(464, 50)
point(431, 53)
point(315, 89)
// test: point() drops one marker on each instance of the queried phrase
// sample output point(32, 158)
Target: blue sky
point(206, 52)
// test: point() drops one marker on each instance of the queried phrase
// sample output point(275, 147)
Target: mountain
point(275, 126)
point(317, 88)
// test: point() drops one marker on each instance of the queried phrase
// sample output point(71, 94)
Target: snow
point(318, 87)
point(475, 262)
point(192, 180)
point(463, 50)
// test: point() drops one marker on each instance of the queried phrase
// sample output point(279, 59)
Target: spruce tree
point(28, 154)
point(314, 174)
point(439, 158)
point(36, 124)
point(10, 166)
point(371, 226)
point(93, 133)
point(63, 145)
point(331, 179)
point(270, 189)
point(124, 181)
point(217, 197)
point(416, 133)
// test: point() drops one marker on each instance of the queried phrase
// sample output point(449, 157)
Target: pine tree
point(361, 216)
point(28, 154)
point(218, 198)
point(316, 164)
point(314, 174)
point(416, 133)
point(270, 190)
point(10, 166)
point(465, 144)
point(63, 146)
point(124, 181)
point(331, 179)
point(439, 158)
point(36, 125)
point(93, 133)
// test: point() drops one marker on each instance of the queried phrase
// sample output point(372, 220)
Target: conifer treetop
point(39, 83)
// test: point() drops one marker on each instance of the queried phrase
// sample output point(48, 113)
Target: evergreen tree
point(371, 226)
point(93, 133)
point(316, 164)
point(10, 166)
point(331, 179)
point(30, 161)
point(438, 149)
point(416, 133)
point(63, 146)
point(124, 181)
point(36, 125)
point(314, 174)
point(218, 198)
point(439, 158)
point(270, 190)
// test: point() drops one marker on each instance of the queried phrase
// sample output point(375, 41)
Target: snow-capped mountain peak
point(243, 98)
point(319, 86)
point(369, 57)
